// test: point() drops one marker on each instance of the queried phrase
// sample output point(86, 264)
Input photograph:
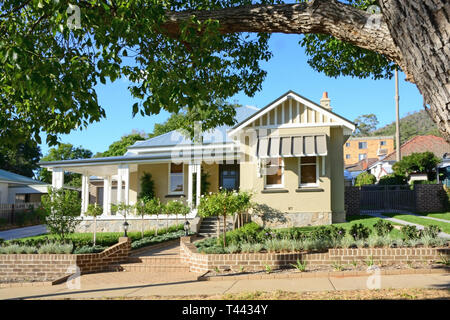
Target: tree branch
point(331, 17)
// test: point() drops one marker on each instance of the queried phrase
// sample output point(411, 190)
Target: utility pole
point(397, 122)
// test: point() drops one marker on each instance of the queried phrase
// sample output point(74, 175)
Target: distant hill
point(413, 124)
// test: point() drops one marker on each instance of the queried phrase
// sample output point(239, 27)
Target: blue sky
point(287, 70)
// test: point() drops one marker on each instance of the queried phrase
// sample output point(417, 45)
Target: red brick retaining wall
point(201, 263)
point(44, 267)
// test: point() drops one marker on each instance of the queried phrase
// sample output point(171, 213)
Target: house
point(444, 169)
point(417, 144)
point(359, 148)
point(355, 169)
point(15, 188)
point(289, 154)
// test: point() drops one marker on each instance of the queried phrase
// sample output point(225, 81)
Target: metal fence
point(8, 212)
point(395, 198)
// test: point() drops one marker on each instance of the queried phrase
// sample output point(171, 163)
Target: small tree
point(139, 210)
point(424, 162)
point(365, 178)
point(177, 207)
point(63, 208)
point(222, 203)
point(94, 211)
point(243, 205)
point(154, 207)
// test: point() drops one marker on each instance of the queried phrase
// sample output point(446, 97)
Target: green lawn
point(445, 227)
point(443, 215)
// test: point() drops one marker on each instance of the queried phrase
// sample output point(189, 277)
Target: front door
point(229, 176)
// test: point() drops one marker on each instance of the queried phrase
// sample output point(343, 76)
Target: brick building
point(359, 148)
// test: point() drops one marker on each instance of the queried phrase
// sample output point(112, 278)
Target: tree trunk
point(421, 30)
point(413, 34)
point(224, 230)
point(142, 226)
point(95, 230)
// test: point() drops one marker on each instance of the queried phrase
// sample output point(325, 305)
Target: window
point(347, 156)
point(362, 145)
point(382, 143)
point(309, 171)
point(274, 169)
point(362, 156)
point(347, 144)
point(176, 178)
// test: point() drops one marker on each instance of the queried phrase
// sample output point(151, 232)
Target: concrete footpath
point(112, 284)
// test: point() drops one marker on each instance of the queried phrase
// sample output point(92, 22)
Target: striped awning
point(292, 146)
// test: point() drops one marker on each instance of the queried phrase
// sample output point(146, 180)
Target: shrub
point(232, 248)
point(375, 241)
point(348, 242)
point(365, 178)
point(56, 248)
point(359, 231)
point(89, 249)
point(249, 232)
point(212, 250)
point(431, 231)
point(410, 232)
point(392, 179)
point(383, 227)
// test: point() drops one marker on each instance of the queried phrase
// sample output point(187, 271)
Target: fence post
point(12, 214)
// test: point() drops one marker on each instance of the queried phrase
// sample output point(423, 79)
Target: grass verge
point(444, 226)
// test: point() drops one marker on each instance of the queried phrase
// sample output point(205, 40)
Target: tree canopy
point(194, 54)
point(365, 125)
point(64, 151)
point(118, 148)
point(21, 158)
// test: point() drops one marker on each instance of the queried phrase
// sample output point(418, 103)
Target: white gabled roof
point(337, 119)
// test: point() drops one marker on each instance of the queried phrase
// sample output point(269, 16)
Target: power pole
point(397, 122)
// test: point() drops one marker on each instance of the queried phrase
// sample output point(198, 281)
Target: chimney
point(325, 102)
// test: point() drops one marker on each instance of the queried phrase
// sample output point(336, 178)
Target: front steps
point(155, 260)
point(153, 264)
point(208, 227)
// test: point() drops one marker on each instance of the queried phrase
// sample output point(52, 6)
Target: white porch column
point(106, 196)
point(119, 186)
point(124, 175)
point(190, 190)
point(57, 178)
point(84, 193)
point(199, 176)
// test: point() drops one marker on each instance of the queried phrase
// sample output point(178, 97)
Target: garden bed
point(79, 243)
point(318, 271)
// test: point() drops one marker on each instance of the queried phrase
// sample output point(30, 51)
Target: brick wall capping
point(202, 263)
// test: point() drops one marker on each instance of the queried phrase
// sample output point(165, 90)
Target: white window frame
point(364, 143)
point(170, 175)
point(300, 184)
point(275, 186)
point(360, 154)
point(347, 156)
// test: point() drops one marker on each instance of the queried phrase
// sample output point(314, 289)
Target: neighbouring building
point(15, 188)
point(360, 148)
point(355, 169)
point(438, 145)
point(289, 154)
